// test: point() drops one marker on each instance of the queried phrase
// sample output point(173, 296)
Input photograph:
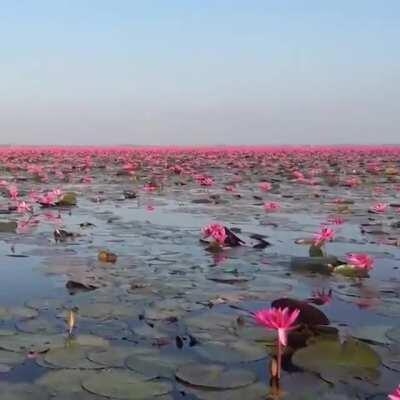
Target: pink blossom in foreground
point(265, 186)
point(272, 206)
point(361, 261)
point(216, 231)
point(395, 395)
point(23, 207)
point(325, 235)
point(279, 319)
point(379, 208)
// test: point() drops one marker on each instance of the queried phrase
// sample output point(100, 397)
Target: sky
point(198, 72)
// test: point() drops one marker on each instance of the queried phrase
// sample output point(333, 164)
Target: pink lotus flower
point(361, 261)
point(353, 182)
point(298, 175)
point(272, 206)
point(325, 235)
point(265, 186)
point(216, 231)
point(23, 207)
point(379, 208)
point(279, 319)
point(395, 395)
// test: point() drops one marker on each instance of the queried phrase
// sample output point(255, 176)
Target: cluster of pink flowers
point(216, 231)
point(50, 198)
point(204, 180)
point(265, 186)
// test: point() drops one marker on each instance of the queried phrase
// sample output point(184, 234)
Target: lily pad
point(69, 199)
point(235, 352)
point(214, 376)
point(394, 334)
point(23, 342)
point(125, 385)
point(374, 333)
point(338, 361)
point(116, 356)
point(8, 227)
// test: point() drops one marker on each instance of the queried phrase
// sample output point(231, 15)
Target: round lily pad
point(40, 325)
point(23, 342)
point(22, 391)
point(125, 385)
point(374, 333)
point(74, 357)
point(11, 358)
point(214, 376)
point(157, 365)
point(235, 352)
point(338, 361)
point(116, 356)
point(64, 380)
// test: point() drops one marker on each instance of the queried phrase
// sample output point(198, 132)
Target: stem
point(279, 359)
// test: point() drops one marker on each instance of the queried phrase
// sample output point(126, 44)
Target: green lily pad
point(116, 356)
point(316, 251)
point(335, 361)
point(45, 304)
point(11, 358)
point(40, 325)
point(125, 385)
point(373, 333)
point(350, 271)
point(8, 227)
point(23, 342)
point(64, 380)
point(235, 352)
point(214, 376)
point(157, 365)
point(74, 357)
point(69, 199)
point(255, 391)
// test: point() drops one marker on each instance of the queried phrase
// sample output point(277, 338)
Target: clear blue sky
point(198, 72)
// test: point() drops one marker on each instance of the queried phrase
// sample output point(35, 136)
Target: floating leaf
point(125, 385)
point(215, 376)
point(373, 333)
point(338, 361)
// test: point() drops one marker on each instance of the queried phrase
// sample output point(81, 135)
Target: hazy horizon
point(93, 72)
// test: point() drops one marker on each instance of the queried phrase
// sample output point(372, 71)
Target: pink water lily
point(265, 186)
point(361, 261)
point(279, 319)
point(325, 235)
point(13, 191)
point(395, 395)
point(379, 208)
point(23, 207)
point(272, 206)
point(216, 231)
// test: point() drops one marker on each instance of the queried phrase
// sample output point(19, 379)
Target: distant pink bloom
point(23, 207)
point(272, 206)
point(279, 319)
point(361, 261)
point(176, 169)
point(335, 220)
point(298, 175)
point(150, 208)
point(325, 235)
point(321, 297)
point(353, 182)
point(265, 186)
point(205, 180)
point(150, 187)
point(216, 231)
point(3, 183)
point(395, 395)
point(87, 179)
point(230, 188)
point(379, 208)
point(13, 191)
point(27, 225)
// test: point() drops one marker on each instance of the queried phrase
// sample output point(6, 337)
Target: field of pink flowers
point(200, 273)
